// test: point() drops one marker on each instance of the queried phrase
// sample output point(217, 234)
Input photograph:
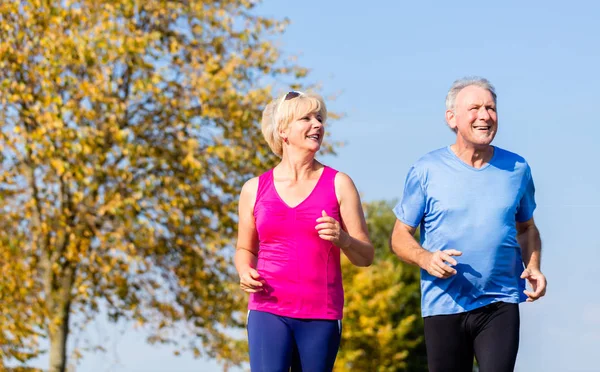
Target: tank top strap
point(327, 184)
point(265, 181)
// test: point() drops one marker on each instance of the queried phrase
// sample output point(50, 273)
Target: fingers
point(330, 235)
point(326, 225)
point(538, 284)
point(437, 272)
point(254, 274)
point(529, 296)
point(532, 296)
point(439, 258)
point(326, 219)
point(453, 252)
point(446, 257)
point(251, 290)
point(447, 271)
point(441, 270)
point(249, 282)
point(331, 232)
point(438, 266)
point(328, 228)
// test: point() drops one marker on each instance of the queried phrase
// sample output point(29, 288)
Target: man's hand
point(538, 284)
point(249, 281)
point(439, 263)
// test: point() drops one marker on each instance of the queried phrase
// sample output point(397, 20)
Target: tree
point(19, 324)
point(382, 326)
point(128, 129)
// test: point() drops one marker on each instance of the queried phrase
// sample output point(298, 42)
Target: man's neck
point(476, 157)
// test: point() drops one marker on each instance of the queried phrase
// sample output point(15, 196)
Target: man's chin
point(485, 140)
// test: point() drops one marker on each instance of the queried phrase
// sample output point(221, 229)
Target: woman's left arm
point(352, 235)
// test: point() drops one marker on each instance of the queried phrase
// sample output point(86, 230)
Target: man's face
point(474, 117)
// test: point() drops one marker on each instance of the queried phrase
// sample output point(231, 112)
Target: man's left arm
point(529, 239)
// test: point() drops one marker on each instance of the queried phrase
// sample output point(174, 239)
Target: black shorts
point(490, 333)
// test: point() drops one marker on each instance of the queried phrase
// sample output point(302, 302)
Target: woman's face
point(305, 133)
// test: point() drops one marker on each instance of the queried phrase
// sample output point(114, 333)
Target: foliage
point(382, 326)
point(128, 129)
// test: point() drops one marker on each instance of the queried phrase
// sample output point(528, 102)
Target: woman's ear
point(283, 134)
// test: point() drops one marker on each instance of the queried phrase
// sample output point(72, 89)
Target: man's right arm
point(404, 245)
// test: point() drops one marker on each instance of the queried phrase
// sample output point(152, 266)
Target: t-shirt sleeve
point(412, 206)
point(527, 203)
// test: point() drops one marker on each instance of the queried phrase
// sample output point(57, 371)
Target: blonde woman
point(294, 220)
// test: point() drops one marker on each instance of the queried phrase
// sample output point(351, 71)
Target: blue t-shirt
point(474, 211)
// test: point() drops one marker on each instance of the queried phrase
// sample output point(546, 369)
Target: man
point(474, 203)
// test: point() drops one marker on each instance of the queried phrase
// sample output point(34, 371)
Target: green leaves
point(382, 326)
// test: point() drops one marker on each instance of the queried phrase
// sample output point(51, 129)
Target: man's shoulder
point(507, 157)
point(431, 157)
point(509, 154)
point(428, 163)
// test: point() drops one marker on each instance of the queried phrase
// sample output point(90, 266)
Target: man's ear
point(451, 119)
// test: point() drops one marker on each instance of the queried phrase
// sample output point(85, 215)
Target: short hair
point(279, 113)
point(462, 83)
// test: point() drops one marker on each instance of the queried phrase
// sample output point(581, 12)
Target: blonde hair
point(280, 112)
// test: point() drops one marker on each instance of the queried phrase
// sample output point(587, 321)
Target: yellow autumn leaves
point(128, 130)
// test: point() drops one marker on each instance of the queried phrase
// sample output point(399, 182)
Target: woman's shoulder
point(343, 182)
point(250, 187)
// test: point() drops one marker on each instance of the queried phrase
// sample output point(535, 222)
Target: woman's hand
point(330, 229)
point(250, 281)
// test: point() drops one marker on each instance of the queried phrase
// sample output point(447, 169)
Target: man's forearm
point(404, 245)
point(531, 247)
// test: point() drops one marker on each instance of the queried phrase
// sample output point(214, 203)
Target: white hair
point(462, 83)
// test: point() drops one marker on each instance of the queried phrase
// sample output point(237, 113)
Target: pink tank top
point(302, 272)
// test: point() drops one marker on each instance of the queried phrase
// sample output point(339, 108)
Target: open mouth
point(314, 137)
point(483, 127)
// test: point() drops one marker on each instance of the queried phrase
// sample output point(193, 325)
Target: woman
point(293, 222)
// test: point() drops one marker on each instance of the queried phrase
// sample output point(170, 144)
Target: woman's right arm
point(246, 253)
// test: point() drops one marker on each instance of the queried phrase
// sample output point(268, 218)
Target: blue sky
point(390, 64)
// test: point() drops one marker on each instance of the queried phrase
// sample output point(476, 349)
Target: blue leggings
point(278, 343)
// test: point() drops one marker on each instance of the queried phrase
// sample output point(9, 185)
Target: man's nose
point(484, 114)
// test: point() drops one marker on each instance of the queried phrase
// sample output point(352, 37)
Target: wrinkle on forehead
point(475, 96)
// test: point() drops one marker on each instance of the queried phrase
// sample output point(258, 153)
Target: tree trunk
point(59, 309)
point(58, 339)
